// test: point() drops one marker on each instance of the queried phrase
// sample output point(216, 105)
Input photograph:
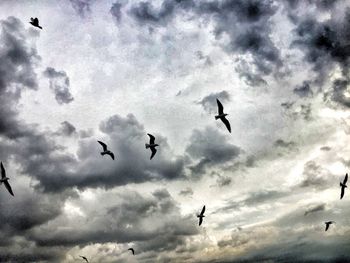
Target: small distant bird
point(328, 224)
point(84, 258)
point(222, 115)
point(132, 250)
point(105, 150)
point(201, 215)
point(343, 186)
point(35, 22)
point(151, 145)
point(5, 179)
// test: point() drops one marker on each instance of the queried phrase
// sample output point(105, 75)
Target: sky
point(117, 70)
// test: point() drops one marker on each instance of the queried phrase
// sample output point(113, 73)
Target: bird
point(35, 22)
point(105, 150)
point(201, 215)
point(151, 145)
point(132, 250)
point(84, 258)
point(343, 186)
point(328, 223)
point(222, 116)
point(5, 179)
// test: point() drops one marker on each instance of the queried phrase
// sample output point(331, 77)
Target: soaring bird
point(343, 186)
point(328, 223)
point(132, 250)
point(5, 179)
point(201, 215)
point(151, 145)
point(105, 150)
point(222, 116)
point(35, 22)
point(84, 258)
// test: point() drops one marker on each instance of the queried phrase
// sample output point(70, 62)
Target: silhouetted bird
point(35, 22)
point(105, 150)
point(132, 250)
point(151, 145)
point(84, 258)
point(343, 186)
point(201, 215)
point(222, 115)
point(5, 179)
point(328, 224)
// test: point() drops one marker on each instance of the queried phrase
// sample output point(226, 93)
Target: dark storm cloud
point(304, 90)
point(17, 58)
point(59, 84)
point(211, 148)
point(134, 218)
point(82, 7)
point(67, 129)
point(209, 102)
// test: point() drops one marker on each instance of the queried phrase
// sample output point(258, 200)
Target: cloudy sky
point(116, 70)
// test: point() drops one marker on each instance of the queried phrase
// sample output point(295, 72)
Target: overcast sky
point(117, 70)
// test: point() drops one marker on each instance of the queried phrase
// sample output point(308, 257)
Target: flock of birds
point(152, 146)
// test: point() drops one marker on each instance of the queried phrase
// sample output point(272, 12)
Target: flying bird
point(132, 250)
point(35, 22)
point(105, 150)
point(151, 145)
point(343, 186)
point(5, 179)
point(222, 116)
point(84, 258)
point(328, 224)
point(201, 215)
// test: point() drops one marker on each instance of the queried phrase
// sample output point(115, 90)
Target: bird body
point(35, 22)
point(222, 116)
point(201, 215)
point(105, 150)
point(4, 179)
point(343, 186)
point(151, 145)
point(328, 223)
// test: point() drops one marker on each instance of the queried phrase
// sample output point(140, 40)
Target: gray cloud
point(116, 11)
point(315, 208)
point(82, 7)
point(67, 129)
point(59, 84)
point(303, 90)
point(186, 192)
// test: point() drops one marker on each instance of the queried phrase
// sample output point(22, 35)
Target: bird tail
point(217, 117)
point(147, 145)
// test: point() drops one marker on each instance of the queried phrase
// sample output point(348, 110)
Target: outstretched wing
point(3, 172)
point(200, 220)
point(203, 210)
point(220, 107)
point(345, 179)
point(104, 146)
point(153, 150)
point(111, 154)
point(132, 251)
point(342, 192)
point(151, 138)
point(227, 123)
point(8, 187)
point(84, 258)
point(327, 226)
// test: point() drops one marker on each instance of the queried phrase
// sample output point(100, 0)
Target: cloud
point(59, 84)
point(315, 208)
point(303, 90)
point(82, 7)
point(67, 129)
point(209, 103)
point(186, 192)
point(315, 176)
point(116, 11)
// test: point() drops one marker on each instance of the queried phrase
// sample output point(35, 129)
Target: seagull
point(151, 145)
point(132, 250)
point(343, 186)
point(222, 115)
point(105, 150)
point(5, 179)
point(35, 22)
point(328, 224)
point(201, 215)
point(84, 258)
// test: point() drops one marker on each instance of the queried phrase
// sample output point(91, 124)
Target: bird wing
point(111, 154)
point(200, 220)
point(104, 146)
point(220, 107)
point(3, 172)
point(203, 210)
point(153, 150)
point(345, 179)
point(227, 123)
point(342, 192)
point(327, 226)
point(151, 138)
point(8, 187)
point(132, 250)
